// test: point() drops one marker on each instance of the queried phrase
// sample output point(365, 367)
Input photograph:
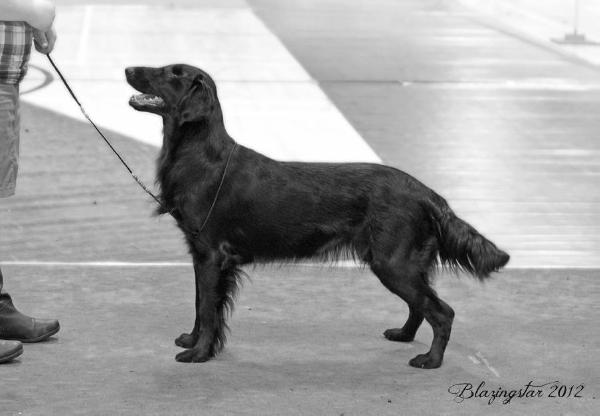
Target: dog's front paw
point(193, 356)
point(398, 334)
point(426, 361)
point(185, 341)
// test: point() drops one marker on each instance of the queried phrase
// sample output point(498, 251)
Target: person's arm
point(38, 13)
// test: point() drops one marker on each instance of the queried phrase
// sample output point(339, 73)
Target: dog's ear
point(197, 103)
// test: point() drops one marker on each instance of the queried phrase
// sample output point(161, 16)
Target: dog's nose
point(130, 71)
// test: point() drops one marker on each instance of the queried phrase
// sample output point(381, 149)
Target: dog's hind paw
point(425, 361)
point(185, 341)
point(192, 356)
point(398, 334)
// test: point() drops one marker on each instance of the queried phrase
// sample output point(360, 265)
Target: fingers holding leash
point(44, 41)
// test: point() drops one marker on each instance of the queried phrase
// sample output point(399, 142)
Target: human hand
point(42, 15)
point(44, 41)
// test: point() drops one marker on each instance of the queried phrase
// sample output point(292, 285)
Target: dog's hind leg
point(400, 281)
point(440, 316)
point(409, 281)
point(408, 331)
point(213, 292)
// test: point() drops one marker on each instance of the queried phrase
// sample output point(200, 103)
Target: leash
point(124, 163)
point(139, 182)
point(218, 189)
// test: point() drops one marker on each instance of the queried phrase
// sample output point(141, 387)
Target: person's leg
point(13, 324)
point(9, 350)
point(9, 139)
point(19, 327)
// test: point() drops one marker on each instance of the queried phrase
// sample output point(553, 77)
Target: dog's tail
point(461, 246)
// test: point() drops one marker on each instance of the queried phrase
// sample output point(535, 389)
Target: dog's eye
point(177, 70)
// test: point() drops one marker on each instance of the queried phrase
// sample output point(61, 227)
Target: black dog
point(236, 206)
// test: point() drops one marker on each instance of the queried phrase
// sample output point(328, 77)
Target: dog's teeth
point(147, 99)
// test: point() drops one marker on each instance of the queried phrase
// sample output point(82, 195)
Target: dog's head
point(182, 92)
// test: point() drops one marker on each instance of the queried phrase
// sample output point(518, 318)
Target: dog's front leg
point(189, 340)
point(207, 337)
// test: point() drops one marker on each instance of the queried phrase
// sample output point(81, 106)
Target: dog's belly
point(269, 240)
point(307, 245)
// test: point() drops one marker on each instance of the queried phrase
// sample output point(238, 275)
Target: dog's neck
point(207, 140)
point(208, 133)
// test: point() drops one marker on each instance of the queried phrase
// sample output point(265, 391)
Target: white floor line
point(340, 264)
point(94, 264)
point(36, 263)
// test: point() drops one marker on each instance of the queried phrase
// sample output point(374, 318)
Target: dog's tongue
point(147, 100)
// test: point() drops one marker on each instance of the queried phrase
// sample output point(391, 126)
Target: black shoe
point(16, 326)
point(9, 350)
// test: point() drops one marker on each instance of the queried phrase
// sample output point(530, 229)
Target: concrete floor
point(505, 130)
point(304, 341)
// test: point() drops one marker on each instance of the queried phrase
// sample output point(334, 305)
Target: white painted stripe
point(93, 264)
point(535, 84)
point(108, 263)
point(339, 264)
point(270, 102)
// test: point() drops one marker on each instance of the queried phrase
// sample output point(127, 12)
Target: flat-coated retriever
point(236, 206)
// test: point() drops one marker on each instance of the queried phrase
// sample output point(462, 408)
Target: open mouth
point(146, 102)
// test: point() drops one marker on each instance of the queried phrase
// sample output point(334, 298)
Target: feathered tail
point(462, 246)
